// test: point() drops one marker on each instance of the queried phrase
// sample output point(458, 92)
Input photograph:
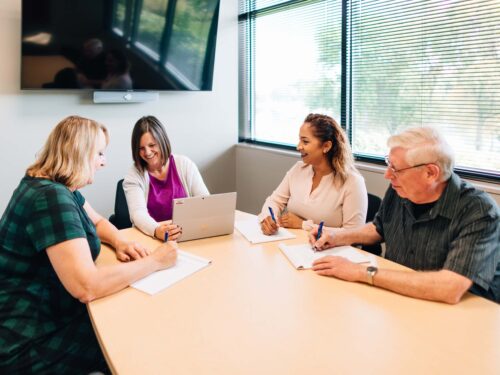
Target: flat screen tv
point(118, 44)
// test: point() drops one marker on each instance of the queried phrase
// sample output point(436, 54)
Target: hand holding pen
point(318, 235)
point(269, 225)
point(174, 231)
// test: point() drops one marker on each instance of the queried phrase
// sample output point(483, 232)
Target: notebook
point(302, 256)
point(205, 216)
point(186, 265)
point(250, 229)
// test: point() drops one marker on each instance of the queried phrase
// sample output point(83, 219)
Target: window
point(407, 63)
point(292, 52)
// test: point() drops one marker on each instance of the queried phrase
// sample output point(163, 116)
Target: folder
point(250, 229)
point(302, 256)
point(186, 265)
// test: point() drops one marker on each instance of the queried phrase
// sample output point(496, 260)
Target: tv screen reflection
point(118, 44)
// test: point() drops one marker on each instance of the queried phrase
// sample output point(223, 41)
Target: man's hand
point(340, 268)
point(326, 241)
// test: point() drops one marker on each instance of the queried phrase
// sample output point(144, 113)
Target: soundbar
point(125, 96)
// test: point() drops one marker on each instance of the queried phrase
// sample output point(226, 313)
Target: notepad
point(186, 265)
point(250, 229)
point(302, 256)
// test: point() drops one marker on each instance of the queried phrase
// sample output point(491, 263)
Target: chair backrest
point(121, 217)
point(373, 206)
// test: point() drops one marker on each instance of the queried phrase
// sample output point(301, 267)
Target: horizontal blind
point(290, 53)
point(415, 63)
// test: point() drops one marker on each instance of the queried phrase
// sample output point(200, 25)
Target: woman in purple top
point(156, 178)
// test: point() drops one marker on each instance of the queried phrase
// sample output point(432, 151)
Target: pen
point(320, 230)
point(166, 236)
point(318, 235)
point(272, 214)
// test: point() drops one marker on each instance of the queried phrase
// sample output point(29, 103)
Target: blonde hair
point(67, 154)
point(425, 145)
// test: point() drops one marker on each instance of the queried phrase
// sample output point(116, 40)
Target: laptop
point(205, 216)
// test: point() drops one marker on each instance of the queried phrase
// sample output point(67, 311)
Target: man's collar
point(447, 202)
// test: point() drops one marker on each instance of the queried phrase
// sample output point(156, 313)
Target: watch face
point(372, 269)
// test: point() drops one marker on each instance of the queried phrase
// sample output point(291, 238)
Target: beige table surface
point(251, 312)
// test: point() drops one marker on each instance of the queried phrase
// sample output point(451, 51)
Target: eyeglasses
point(395, 171)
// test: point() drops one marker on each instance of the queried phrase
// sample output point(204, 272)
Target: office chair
point(373, 206)
point(121, 217)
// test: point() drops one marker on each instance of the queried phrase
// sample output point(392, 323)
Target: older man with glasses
point(431, 221)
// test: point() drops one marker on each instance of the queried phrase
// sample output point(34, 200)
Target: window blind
point(415, 63)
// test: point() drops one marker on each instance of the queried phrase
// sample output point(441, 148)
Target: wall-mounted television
point(118, 44)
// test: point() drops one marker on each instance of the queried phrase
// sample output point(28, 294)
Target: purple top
point(161, 193)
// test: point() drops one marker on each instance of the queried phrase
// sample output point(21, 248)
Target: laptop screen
point(205, 216)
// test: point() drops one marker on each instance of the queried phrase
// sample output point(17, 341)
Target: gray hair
point(425, 145)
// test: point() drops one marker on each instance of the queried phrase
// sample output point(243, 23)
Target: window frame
point(246, 93)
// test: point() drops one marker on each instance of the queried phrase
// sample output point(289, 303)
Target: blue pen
point(166, 236)
point(318, 235)
point(272, 214)
point(320, 230)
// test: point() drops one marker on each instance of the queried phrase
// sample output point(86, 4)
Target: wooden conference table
point(251, 312)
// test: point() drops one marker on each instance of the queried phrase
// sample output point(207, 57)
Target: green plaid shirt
point(33, 303)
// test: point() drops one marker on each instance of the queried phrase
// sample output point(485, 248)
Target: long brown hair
point(339, 156)
point(67, 154)
point(149, 124)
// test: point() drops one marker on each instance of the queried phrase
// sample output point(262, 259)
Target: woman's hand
point(174, 231)
point(166, 254)
point(130, 250)
point(289, 220)
point(268, 226)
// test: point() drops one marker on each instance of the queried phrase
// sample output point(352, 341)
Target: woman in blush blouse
point(324, 186)
point(156, 178)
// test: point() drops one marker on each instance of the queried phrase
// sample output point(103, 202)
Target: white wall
point(201, 125)
point(259, 170)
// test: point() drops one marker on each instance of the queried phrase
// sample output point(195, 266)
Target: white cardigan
point(338, 205)
point(136, 187)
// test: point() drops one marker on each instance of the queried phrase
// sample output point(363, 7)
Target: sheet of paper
point(302, 256)
point(186, 265)
point(250, 229)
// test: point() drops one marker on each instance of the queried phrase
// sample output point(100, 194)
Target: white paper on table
point(250, 229)
point(186, 265)
point(302, 256)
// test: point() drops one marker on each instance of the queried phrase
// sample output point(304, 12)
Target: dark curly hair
point(326, 129)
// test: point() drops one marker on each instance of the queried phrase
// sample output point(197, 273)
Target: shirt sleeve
point(279, 198)
point(355, 202)
point(55, 218)
point(135, 193)
point(475, 252)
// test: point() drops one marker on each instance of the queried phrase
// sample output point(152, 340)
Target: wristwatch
point(371, 272)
